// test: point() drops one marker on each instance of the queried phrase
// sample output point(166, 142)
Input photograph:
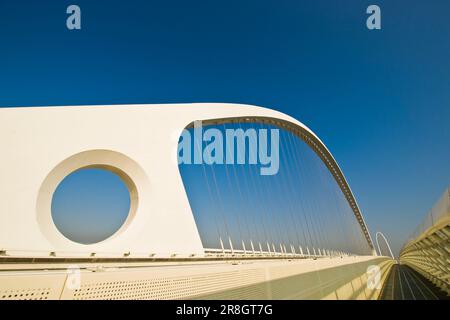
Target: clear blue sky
point(380, 100)
point(90, 205)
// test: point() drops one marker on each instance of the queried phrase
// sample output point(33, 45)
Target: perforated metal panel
point(26, 294)
point(24, 285)
point(275, 279)
point(163, 288)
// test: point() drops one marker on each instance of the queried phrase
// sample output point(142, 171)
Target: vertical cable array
point(299, 211)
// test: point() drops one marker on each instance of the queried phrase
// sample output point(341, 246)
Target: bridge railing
point(428, 249)
point(437, 212)
point(213, 252)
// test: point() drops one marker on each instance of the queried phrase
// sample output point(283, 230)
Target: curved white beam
point(309, 137)
point(385, 241)
point(40, 145)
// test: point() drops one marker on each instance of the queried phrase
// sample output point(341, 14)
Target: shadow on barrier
point(341, 283)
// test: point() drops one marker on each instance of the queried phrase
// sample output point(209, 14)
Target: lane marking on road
point(429, 290)
point(401, 285)
point(407, 283)
point(393, 282)
point(408, 272)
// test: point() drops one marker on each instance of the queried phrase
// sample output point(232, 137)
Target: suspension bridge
point(206, 230)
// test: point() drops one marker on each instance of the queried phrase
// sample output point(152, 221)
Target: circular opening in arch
point(90, 205)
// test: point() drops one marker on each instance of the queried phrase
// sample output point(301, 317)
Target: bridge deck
point(403, 283)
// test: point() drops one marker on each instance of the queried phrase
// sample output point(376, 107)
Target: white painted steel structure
point(385, 241)
point(428, 250)
point(42, 145)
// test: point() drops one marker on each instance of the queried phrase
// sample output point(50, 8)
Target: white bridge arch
point(41, 145)
point(385, 241)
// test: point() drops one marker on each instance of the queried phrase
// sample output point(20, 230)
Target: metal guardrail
point(211, 252)
point(439, 210)
point(338, 278)
point(428, 249)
